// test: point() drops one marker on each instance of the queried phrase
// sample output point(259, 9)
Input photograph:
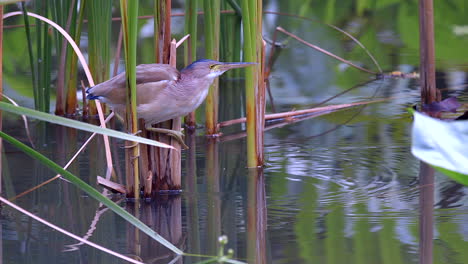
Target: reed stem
point(71, 100)
point(99, 38)
point(129, 11)
point(31, 56)
point(253, 45)
point(190, 51)
point(429, 91)
point(212, 23)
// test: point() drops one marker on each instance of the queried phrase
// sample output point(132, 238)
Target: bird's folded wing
point(147, 73)
point(114, 89)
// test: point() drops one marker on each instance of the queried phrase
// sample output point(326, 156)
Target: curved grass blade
point(90, 191)
point(78, 125)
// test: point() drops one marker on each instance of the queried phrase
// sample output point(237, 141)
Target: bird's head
point(211, 69)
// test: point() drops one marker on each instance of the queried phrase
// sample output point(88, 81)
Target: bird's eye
point(212, 66)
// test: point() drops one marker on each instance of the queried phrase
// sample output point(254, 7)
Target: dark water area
point(338, 188)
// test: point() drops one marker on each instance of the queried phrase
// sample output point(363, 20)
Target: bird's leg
point(178, 135)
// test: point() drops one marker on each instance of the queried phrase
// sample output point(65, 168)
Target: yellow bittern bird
point(163, 93)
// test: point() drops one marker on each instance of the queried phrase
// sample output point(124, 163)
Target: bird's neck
point(187, 79)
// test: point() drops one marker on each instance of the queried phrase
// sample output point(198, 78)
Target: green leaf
point(91, 192)
point(442, 144)
point(78, 125)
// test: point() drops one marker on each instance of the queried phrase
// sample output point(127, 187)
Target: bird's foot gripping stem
point(178, 135)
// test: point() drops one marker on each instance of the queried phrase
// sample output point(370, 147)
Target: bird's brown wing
point(147, 73)
point(153, 92)
point(114, 89)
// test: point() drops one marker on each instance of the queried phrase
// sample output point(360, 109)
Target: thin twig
point(351, 118)
point(300, 112)
point(341, 93)
point(300, 117)
point(332, 26)
point(182, 40)
point(324, 51)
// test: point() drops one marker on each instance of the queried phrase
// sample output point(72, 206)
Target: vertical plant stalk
point(252, 24)
point(260, 91)
point(174, 154)
point(162, 43)
point(46, 69)
point(129, 12)
point(260, 98)
point(71, 100)
point(99, 37)
point(99, 33)
point(190, 50)
point(167, 162)
point(162, 25)
point(31, 56)
point(429, 91)
point(64, 67)
point(40, 70)
point(43, 56)
point(231, 99)
point(38, 59)
point(212, 11)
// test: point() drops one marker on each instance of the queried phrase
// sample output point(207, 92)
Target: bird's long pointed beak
point(232, 65)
